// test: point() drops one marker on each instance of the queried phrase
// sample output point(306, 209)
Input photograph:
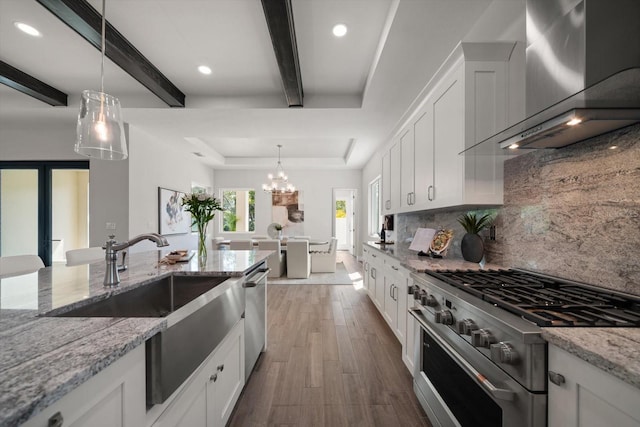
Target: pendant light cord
point(104, 20)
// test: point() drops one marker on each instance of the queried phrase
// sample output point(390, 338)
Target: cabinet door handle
point(213, 377)
point(393, 296)
point(429, 193)
point(220, 368)
point(56, 420)
point(556, 378)
point(394, 267)
point(413, 198)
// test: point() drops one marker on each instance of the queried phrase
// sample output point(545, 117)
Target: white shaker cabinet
point(391, 179)
point(114, 397)
point(581, 395)
point(466, 102)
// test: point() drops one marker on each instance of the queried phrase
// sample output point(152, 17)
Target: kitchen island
point(44, 358)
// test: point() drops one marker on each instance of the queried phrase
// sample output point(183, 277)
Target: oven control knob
point(418, 295)
point(444, 316)
point(504, 353)
point(430, 301)
point(466, 326)
point(482, 338)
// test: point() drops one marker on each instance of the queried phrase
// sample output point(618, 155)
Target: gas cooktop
point(546, 300)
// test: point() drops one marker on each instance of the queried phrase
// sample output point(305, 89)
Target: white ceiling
point(356, 87)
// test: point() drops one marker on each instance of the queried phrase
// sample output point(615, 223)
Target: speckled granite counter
point(43, 358)
point(614, 350)
point(411, 261)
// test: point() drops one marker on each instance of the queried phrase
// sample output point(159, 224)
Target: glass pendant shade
point(100, 129)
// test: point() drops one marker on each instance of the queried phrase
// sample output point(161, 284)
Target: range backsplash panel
point(572, 213)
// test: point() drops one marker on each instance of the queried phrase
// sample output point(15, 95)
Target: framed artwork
point(172, 218)
point(288, 210)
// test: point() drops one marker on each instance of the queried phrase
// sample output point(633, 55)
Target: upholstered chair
point(17, 265)
point(277, 260)
point(298, 259)
point(325, 261)
point(84, 255)
point(240, 245)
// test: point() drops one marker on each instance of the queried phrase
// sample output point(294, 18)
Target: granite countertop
point(44, 358)
point(419, 264)
point(614, 350)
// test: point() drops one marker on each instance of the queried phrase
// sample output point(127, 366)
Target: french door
point(43, 208)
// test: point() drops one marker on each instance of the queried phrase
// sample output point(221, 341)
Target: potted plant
point(472, 245)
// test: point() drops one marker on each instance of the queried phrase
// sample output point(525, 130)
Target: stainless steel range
point(480, 357)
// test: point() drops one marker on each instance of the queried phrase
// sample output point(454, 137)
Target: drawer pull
point(556, 378)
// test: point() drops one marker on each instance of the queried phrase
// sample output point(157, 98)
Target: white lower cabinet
point(113, 397)
point(587, 396)
point(211, 393)
point(389, 285)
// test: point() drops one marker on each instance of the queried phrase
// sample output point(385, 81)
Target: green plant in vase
point(472, 246)
point(202, 207)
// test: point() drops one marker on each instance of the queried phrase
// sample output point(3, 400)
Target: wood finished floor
point(331, 361)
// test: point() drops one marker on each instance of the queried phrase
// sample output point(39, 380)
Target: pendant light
point(279, 182)
point(100, 130)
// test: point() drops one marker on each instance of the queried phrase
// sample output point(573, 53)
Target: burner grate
point(546, 301)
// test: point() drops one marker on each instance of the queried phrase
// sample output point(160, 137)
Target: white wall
point(317, 186)
point(151, 165)
point(123, 192)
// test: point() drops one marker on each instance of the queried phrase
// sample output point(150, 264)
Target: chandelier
point(279, 181)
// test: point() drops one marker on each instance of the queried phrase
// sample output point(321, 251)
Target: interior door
point(43, 208)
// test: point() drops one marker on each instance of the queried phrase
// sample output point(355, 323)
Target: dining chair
point(240, 245)
point(298, 259)
point(84, 256)
point(277, 260)
point(325, 261)
point(16, 265)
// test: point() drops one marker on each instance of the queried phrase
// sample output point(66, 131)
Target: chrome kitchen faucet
point(111, 276)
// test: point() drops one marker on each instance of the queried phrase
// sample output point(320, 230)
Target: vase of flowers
point(202, 207)
point(278, 227)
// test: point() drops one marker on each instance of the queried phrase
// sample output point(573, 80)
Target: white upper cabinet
point(466, 102)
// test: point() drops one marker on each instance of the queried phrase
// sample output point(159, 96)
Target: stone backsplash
point(572, 212)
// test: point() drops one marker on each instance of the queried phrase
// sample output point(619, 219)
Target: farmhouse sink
point(156, 299)
point(200, 311)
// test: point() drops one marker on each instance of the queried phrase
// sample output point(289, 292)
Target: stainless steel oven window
point(464, 397)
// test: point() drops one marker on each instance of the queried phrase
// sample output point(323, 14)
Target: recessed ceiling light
point(28, 29)
point(204, 69)
point(339, 30)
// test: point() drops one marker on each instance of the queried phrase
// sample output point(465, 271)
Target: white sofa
point(325, 261)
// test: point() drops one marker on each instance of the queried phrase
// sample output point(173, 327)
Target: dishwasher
point(255, 317)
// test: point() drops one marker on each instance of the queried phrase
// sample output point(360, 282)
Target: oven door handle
point(498, 393)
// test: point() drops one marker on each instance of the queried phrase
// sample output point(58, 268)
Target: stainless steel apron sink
point(200, 311)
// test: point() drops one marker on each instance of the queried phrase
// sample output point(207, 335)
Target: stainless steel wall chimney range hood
point(583, 73)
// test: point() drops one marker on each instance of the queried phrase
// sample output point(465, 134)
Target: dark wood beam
point(31, 86)
point(86, 21)
point(279, 16)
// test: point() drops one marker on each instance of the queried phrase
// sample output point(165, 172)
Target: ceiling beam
point(31, 86)
point(80, 16)
point(279, 16)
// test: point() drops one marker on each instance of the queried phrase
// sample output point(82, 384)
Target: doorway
point(44, 208)
point(344, 215)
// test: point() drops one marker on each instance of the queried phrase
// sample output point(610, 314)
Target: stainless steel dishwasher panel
point(174, 354)
point(255, 318)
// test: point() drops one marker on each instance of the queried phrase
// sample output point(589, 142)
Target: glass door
point(44, 208)
point(344, 218)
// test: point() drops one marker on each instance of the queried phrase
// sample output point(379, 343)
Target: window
point(239, 213)
point(374, 206)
